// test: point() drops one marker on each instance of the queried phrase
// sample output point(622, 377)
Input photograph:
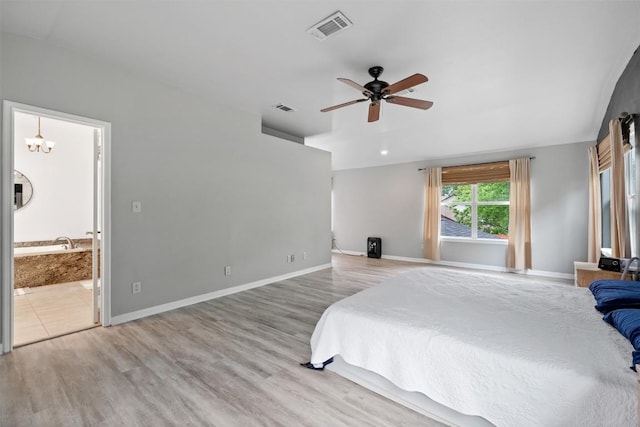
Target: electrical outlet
point(293, 258)
point(136, 206)
point(227, 270)
point(136, 287)
point(288, 258)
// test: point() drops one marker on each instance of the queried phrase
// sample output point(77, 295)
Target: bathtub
point(50, 264)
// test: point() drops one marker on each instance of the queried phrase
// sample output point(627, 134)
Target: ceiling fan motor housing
point(376, 86)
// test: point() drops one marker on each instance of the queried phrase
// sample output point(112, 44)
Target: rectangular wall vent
point(330, 26)
point(284, 108)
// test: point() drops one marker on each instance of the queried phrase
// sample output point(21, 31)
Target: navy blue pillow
point(627, 322)
point(615, 294)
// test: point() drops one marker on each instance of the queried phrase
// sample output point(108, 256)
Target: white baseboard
point(139, 314)
point(497, 268)
point(340, 251)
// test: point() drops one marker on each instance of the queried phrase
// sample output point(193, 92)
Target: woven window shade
point(475, 174)
point(604, 153)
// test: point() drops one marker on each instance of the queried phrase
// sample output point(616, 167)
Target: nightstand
point(586, 272)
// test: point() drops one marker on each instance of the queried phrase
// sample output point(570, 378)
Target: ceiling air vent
point(283, 108)
point(330, 26)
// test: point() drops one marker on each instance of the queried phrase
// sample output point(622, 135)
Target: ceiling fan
point(377, 91)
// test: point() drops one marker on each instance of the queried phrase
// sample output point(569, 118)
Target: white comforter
point(512, 351)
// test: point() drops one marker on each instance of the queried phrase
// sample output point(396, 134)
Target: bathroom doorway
point(57, 251)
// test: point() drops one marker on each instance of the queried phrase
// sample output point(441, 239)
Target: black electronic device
point(374, 247)
point(610, 264)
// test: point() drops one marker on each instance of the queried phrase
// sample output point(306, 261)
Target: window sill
point(501, 242)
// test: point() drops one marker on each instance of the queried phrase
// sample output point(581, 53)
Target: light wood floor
point(232, 361)
point(43, 312)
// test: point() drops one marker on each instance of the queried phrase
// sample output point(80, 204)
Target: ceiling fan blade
point(356, 86)
point(409, 102)
point(403, 84)
point(335, 107)
point(374, 111)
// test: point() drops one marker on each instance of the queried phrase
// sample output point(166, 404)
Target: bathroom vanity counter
point(39, 265)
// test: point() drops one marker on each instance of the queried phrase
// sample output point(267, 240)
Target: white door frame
point(6, 249)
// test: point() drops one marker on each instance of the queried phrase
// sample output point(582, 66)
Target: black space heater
point(374, 247)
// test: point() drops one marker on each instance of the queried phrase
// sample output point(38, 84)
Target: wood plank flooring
point(232, 361)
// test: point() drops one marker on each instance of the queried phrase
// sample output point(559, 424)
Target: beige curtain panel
point(519, 249)
point(595, 214)
point(619, 238)
point(433, 184)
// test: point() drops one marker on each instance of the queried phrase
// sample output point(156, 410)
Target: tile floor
point(47, 311)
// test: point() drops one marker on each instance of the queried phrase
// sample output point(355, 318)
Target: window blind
point(476, 174)
point(604, 153)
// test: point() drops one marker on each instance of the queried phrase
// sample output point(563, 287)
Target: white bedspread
point(515, 352)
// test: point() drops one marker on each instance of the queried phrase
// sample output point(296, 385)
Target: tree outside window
point(476, 211)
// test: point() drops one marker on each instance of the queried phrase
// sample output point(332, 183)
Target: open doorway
point(58, 224)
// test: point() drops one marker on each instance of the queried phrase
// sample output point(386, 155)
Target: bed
point(500, 347)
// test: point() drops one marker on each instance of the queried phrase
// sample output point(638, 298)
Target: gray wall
point(626, 95)
point(215, 190)
point(626, 98)
point(388, 202)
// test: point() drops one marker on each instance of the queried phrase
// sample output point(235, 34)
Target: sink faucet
point(67, 240)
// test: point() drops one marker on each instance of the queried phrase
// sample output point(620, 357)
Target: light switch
point(136, 206)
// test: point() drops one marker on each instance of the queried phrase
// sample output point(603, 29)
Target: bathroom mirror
point(22, 190)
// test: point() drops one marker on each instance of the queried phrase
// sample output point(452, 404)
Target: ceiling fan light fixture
point(377, 91)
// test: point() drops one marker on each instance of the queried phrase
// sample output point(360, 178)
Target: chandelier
point(38, 143)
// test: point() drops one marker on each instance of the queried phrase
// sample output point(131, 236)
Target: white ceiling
point(502, 75)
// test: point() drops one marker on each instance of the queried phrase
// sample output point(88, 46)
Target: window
point(631, 179)
point(630, 183)
point(605, 210)
point(475, 211)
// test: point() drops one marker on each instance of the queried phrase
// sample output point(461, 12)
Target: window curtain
point(519, 249)
point(433, 184)
point(595, 214)
point(619, 238)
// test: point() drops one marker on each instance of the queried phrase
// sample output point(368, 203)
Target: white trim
point(340, 251)
point(497, 268)
point(134, 315)
point(105, 231)
point(475, 241)
point(9, 109)
point(551, 274)
point(6, 248)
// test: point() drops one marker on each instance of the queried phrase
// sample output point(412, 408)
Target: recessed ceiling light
point(384, 152)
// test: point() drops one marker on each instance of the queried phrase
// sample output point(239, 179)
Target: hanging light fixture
point(38, 143)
